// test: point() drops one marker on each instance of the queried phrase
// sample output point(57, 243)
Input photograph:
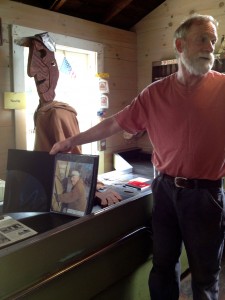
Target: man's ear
point(179, 45)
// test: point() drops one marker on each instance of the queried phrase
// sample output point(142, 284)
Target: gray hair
point(75, 173)
point(184, 27)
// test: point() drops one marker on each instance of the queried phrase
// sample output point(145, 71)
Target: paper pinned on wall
point(14, 100)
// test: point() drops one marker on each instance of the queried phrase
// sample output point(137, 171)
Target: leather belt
point(182, 182)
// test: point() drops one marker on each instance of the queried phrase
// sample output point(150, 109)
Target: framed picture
point(39, 182)
point(74, 183)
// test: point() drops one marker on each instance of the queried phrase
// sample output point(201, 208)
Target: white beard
point(198, 65)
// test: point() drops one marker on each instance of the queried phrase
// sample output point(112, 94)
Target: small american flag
point(66, 68)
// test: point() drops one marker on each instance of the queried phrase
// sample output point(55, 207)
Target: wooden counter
point(77, 258)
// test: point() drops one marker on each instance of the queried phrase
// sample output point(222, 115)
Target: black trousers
point(195, 218)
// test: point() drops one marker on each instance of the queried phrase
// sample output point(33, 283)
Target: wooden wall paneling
point(1, 38)
point(121, 67)
point(121, 83)
point(118, 99)
point(125, 96)
point(119, 45)
point(145, 79)
point(107, 160)
point(160, 40)
point(19, 86)
point(6, 118)
point(7, 142)
point(5, 78)
point(120, 52)
point(4, 55)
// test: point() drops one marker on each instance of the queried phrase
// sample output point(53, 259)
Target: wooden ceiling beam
point(57, 5)
point(115, 9)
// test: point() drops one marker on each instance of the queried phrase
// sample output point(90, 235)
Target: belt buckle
point(176, 182)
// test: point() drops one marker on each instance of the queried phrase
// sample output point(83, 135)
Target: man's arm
point(100, 131)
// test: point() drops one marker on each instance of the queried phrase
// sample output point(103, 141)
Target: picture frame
point(33, 181)
point(74, 184)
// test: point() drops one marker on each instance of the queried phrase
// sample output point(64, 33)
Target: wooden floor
point(186, 292)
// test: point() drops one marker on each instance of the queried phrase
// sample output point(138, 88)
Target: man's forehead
point(203, 28)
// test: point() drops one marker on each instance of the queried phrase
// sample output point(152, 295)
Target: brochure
point(12, 231)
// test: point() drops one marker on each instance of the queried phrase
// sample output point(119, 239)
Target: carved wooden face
point(43, 67)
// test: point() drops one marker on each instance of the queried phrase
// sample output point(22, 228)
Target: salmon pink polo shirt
point(186, 125)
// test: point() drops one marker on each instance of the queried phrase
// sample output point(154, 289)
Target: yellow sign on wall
point(14, 100)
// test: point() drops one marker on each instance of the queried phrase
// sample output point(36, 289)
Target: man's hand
point(62, 146)
point(107, 197)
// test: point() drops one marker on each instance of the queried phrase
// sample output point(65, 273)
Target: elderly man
point(75, 199)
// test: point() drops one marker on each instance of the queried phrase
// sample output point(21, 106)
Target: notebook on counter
point(139, 183)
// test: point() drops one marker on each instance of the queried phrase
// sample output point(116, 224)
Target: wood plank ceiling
point(121, 14)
